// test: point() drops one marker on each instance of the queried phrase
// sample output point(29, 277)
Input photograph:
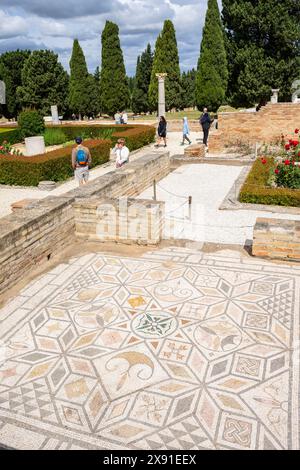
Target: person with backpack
point(81, 160)
point(205, 122)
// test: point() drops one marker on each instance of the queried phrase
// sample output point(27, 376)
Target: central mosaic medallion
point(154, 324)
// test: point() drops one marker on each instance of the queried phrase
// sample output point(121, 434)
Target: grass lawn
point(193, 115)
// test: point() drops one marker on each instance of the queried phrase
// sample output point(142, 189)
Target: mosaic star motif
point(175, 350)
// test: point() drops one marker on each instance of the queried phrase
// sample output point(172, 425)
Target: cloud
point(63, 8)
point(53, 24)
point(11, 26)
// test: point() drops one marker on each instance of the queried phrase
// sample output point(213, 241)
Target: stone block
point(23, 204)
point(195, 151)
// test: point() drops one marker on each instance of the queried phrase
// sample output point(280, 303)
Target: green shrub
point(54, 137)
point(53, 166)
point(31, 123)
point(12, 136)
point(256, 191)
point(135, 137)
point(288, 175)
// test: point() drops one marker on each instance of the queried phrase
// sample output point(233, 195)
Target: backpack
point(81, 157)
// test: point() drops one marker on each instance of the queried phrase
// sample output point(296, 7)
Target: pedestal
point(274, 97)
point(35, 146)
point(54, 114)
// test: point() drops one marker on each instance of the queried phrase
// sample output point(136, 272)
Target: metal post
point(190, 207)
point(154, 190)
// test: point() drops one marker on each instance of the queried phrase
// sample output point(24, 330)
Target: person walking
point(186, 131)
point(162, 131)
point(205, 122)
point(121, 152)
point(81, 160)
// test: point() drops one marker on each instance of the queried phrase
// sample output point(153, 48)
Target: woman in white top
point(121, 152)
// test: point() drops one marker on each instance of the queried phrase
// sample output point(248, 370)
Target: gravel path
point(208, 185)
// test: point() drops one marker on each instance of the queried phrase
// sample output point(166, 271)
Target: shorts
point(82, 174)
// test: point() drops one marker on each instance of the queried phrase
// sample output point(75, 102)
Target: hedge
point(12, 136)
point(53, 166)
point(136, 137)
point(255, 190)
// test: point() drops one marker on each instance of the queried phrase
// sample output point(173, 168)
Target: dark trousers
point(205, 135)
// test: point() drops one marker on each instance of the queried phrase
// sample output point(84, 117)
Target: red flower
point(1, 147)
point(287, 162)
point(296, 131)
point(276, 171)
point(264, 161)
point(294, 143)
point(298, 154)
point(287, 146)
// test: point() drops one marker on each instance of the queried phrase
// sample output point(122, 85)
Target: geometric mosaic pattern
point(174, 350)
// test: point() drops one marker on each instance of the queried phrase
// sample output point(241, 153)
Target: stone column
point(274, 97)
point(161, 94)
point(54, 113)
point(2, 92)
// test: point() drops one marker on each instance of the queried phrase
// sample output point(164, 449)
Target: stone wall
point(119, 220)
point(265, 126)
point(277, 239)
point(31, 235)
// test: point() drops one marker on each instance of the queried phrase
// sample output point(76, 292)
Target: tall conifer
point(212, 75)
point(114, 90)
point(79, 81)
point(142, 81)
point(166, 60)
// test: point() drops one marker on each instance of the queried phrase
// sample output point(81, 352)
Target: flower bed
point(275, 180)
point(53, 166)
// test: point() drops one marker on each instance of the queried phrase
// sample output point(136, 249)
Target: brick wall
point(45, 228)
point(277, 239)
point(123, 220)
point(265, 126)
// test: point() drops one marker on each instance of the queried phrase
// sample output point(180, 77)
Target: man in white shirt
point(121, 152)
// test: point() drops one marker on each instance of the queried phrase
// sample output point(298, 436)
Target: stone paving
point(208, 184)
point(177, 349)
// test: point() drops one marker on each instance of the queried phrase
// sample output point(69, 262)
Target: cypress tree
point(166, 60)
point(114, 90)
point(142, 81)
point(212, 74)
point(188, 81)
point(263, 48)
point(44, 83)
point(79, 82)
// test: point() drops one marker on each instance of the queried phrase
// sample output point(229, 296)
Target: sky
point(53, 24)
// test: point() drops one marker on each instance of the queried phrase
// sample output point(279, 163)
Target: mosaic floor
point(175, 350)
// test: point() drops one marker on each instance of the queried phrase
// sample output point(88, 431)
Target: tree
point(11, 65)
point(142, 81)
point(93, 103)
point(263, 47)
point(114, 90)
point(80, 83)
point(188, 82)
point(44, 83)
point(166, 60)
point(212, 73)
